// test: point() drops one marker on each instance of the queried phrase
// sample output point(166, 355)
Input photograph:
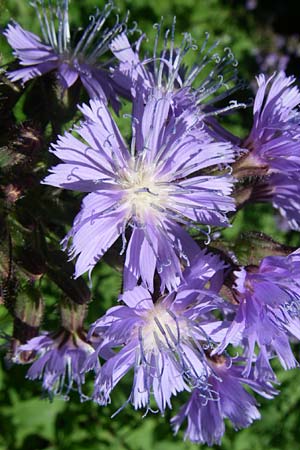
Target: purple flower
point(60, 358)
point(268, 312)
point(270, 62)
point(144, 194)
point(205, 415)
point(164, 342)
point(274, 146)
point(283, 191)
point(55, 52)
point(251, 4)
point(204, 84)
point(274, 139)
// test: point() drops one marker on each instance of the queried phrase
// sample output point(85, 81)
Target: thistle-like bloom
point(59, 360)
point(274, 142)
point(268, 312)
point(151, 189)
point(283, 191)
point(205, 415)
point(55, 51)
point(164, 341)
point(204, 84)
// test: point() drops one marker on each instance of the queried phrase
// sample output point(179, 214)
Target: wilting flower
point(203, 84)
point(59, 360)
point(55, 51)
point(268, 312)
point(151, 189)
point(273, 142)
point(164, 342)
point(228, 399)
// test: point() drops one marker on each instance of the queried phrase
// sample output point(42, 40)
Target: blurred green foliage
point(27, 421)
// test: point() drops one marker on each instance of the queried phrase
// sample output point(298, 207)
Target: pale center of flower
point(162, 330)
point(143, 191)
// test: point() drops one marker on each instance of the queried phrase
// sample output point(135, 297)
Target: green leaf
point(33, 416)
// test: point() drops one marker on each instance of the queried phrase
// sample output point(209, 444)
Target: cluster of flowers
point(183, 305)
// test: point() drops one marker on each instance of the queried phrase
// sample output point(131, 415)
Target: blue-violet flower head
point(267, 314)
point(164, 341)
point(229, 399)
point(211, 79)
point(150, 190)
point(60, 357)
point(274, 139)
point(55, 50)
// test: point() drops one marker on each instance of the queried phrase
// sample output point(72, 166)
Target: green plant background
point(30, 422)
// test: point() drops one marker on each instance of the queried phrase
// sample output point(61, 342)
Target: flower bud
point(12, 193)
point(28, 141)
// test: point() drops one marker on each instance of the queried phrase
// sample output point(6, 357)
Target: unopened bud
point(31, 261)
point(28, 141)
point(9, 158)
point(8, 281)
point(12, 193)
point(29, 307)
